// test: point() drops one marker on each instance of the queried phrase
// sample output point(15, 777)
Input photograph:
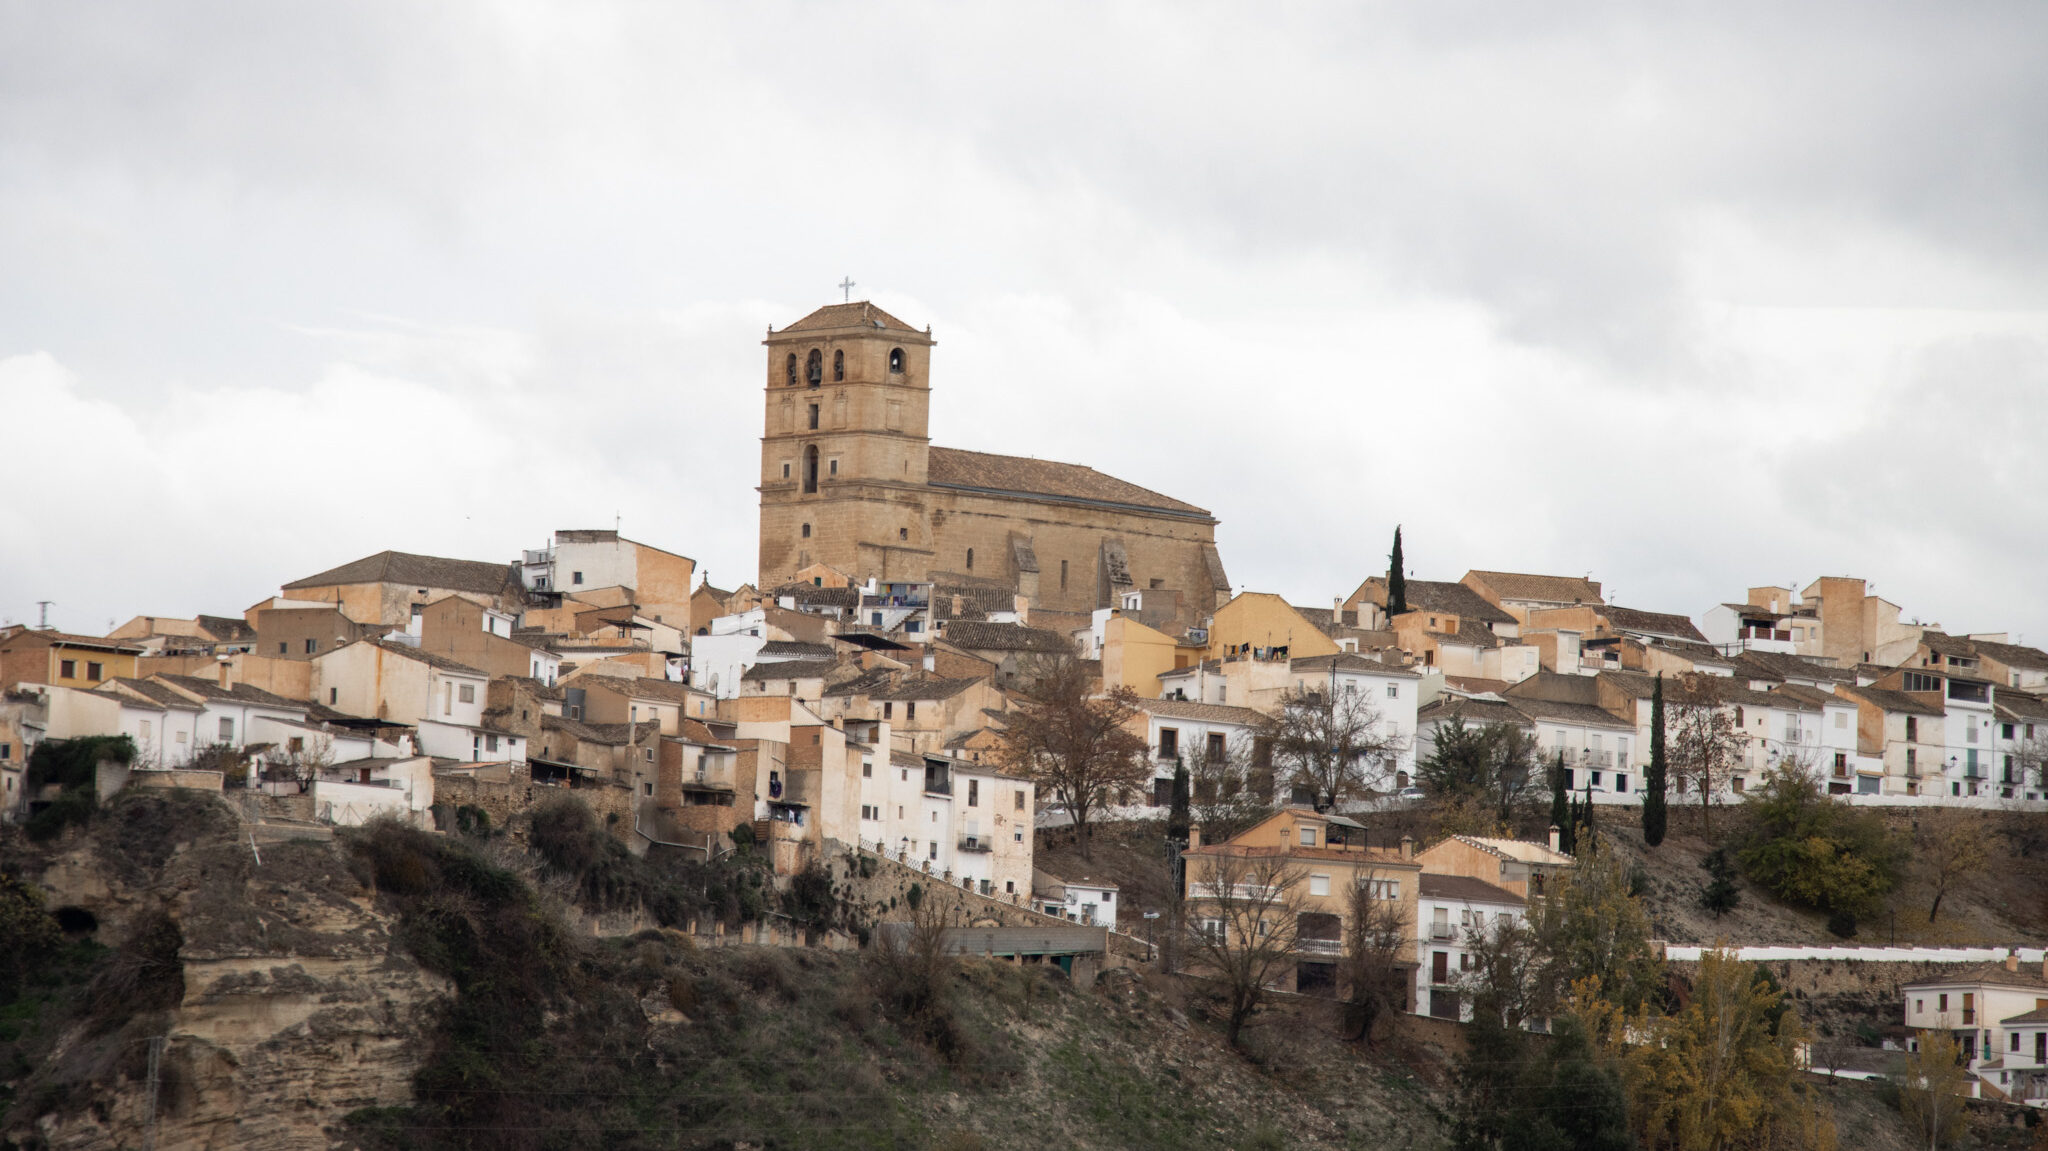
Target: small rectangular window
point(95, 672)
point(909, 711)
point(283, 647)
point(1169, 742)
point(1308, 837)
point(974, 793)
point(67, 669)
point(1020, 799)
point(647, 789)
point(575, 577)
point(227, 729)
point(832, 468)
point(1319, 885)
point(333, 695)
point(312, 645)
point(466, 693)
point(867, 770)
point(1063, 575)
point(1393, 691)
point(888, 710)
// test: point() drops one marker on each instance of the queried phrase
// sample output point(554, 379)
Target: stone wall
point(878, 888)
point(508, 792)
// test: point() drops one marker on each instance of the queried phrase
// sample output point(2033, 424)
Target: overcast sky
point(1690, 300)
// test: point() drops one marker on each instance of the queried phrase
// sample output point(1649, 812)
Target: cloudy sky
point(1690, 300)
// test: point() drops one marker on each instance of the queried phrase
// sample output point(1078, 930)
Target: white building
point(1455, 912)
point(1086, 901)
point(1183, 731)
point(954, 817)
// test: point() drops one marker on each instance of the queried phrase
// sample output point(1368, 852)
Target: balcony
point(1768, 634)
point(977, 842)
point(1442, 932)
point(1319, 946)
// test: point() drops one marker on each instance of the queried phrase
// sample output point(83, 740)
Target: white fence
point(2028, 955)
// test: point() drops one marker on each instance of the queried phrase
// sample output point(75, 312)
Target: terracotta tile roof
point(1540, 588)
point(157, 695)
point(612, 734)
point(1345, 661)
point(1696, 652)
point(977, 601)
point(1890, 700)
point(2037, 1015)
point(2018, 705)
point(227, 629)
point(979, 635)
point(441, 662)
point(1453, 598)
point(857, 314)
point(811, 595)
point(239, 693)
point(1652, 623)
point(2029, 975)
point(476, 576)
point(1520, 850)
point(1211, 712)
point(1433, 886)
point(1474, 711)
point(1779, 666)
point(794, 649)
point(1479, 637)
point(1020, 475)
point(927, 687)
point(791, 669)
point(66, 639)
point(1365, 857)
point(1580, 714)
point(2012, 654)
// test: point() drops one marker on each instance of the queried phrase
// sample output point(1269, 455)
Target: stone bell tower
point(845, 446)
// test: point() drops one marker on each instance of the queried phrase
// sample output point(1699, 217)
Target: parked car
point(1409, 794)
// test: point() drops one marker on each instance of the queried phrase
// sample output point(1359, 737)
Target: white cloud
point(1691, 300)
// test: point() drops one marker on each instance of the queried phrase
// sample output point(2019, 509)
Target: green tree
point(28, 934)
point(1657, 780)
point(1808, 849)
point(1560, 804)
point(1721, 895)
point(1590, 925)
point(1397, 578)
point(1517, 1092)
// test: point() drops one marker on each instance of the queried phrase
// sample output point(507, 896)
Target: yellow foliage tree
point(1721, 1073)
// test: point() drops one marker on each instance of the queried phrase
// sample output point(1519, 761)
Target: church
point(850, 478)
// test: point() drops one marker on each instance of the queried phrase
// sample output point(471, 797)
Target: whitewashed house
point(1455, 914)
point(1089, 902)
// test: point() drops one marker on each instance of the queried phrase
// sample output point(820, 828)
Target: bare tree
point(1931, 1082)
point(1705, 742)
point(908, 964)
point(1379, 957)
point(1074, 742)
point(1951, 849)
point(1243, 909)
point(1507, 969)
point(1225, 789)
point(312, 758)
point(1334, 745)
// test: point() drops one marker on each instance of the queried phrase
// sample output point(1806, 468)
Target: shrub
point(1721, 895)
point(1807, 849)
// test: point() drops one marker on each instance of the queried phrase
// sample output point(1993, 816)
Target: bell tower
point(845, 446)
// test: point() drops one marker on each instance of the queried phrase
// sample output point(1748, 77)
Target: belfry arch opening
point(814, 367)
point(792, 369)
point(838, 366)
point(895, 359)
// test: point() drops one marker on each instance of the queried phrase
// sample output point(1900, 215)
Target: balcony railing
point(1442, 931)
point(1319, 946)
point(1783, 635)
point(977, 843)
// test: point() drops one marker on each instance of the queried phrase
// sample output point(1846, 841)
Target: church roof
point(1021, 475)
point(858, 314)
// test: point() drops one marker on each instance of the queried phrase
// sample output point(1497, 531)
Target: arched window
point(838, 366)
point(811, 468)
point(814, 368)
point(791, 367)
point(895, 359)
point(970, 559)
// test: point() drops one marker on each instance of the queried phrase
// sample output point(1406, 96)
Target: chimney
point(227, 673)
point(931, 660)
point(1556, 838)
point(2012, 959)
point(1195, 840)
point(1407, 847)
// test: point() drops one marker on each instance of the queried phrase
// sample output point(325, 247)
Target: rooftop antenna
point(43, 614)
point(846, 287)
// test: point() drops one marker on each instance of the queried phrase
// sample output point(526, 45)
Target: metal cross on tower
point(846, 286)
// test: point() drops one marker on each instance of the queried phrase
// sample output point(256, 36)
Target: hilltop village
point(990, 675)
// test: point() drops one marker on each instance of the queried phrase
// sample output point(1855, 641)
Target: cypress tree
point(1590, 837)
point(1397, 578)
point(1560, 804)
point(1657, 780)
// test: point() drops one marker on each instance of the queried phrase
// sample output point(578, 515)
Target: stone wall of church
point(888, 533)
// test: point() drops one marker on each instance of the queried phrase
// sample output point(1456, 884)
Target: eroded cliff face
point(298, 1006)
